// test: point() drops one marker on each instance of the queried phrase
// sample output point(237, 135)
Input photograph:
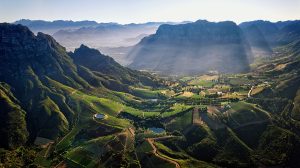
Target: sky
point(140, 11)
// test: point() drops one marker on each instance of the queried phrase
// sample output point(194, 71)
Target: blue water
point(157, 130)
point(99, 116)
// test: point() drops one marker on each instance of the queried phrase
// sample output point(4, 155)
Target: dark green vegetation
point(12, 120)
point(45, 94)
point(49, 99)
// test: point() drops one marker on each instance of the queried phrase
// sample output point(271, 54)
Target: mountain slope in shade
point(13, 129)
point(267, 28)
point(193, 48)
point(275, 33)
point(27, 64)
point(289, 33)
point(39, 79)
point(97, 62)
point(259, 45)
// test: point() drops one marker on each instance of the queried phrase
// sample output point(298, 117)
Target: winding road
point(151, 142)
point(250, 91)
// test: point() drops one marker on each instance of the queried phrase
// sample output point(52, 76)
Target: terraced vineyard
point(207, 131)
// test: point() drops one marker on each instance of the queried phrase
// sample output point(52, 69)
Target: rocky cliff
point(193, 48)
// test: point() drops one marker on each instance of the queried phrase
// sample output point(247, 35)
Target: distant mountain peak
point(193, 48)
point(87, 51)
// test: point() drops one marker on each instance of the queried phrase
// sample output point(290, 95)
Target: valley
point(83, 109)
point(192, 127)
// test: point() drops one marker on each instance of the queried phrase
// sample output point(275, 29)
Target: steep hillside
point(40, 78)
point(191, 48)
point(13, 129)
point(99, 63)
point(27, 64)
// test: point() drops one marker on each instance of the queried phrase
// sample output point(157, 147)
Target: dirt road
point(250, 91)
point(151, 142)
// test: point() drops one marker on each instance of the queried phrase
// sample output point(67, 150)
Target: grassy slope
point(12, 119)
point(180, 123)
point(296, 108)
point(242, 113)
point(279, 146)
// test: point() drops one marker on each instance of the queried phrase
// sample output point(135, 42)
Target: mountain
point(259, 45)
point(97, 62)
point(192, 48)
point(54, 26)
point(112, 39)
point(267, 28)
point(275, 33)
point(28, 63)
point(41, 85)
point(105, 35)
point(281, 24)
point(289, 33)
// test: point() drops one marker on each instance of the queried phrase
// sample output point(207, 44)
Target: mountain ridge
point(41, 74)
point(199, 41)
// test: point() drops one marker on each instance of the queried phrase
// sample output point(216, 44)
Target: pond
point(157, 130)
point(153, 100)
point(99, 116)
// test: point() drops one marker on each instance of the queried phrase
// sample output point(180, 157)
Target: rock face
point(193, 48)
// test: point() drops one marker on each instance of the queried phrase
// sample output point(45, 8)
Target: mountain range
point(193, 48)
point(207, 46)
point(111, 38)
point(81, 108)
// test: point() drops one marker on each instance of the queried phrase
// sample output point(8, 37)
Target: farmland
point(208, 120)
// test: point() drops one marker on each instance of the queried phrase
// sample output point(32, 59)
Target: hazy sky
point(128, 11)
